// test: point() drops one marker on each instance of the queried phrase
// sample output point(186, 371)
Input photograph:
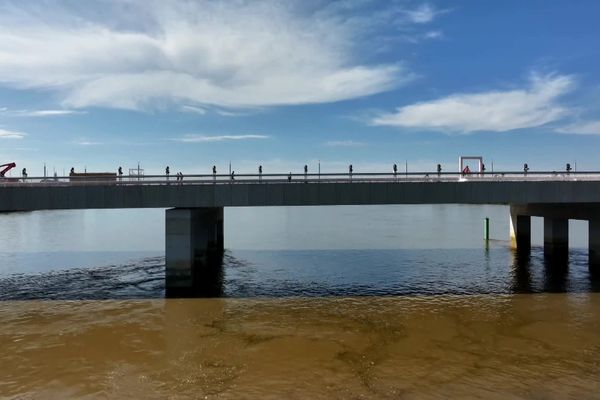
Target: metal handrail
point(327, 177)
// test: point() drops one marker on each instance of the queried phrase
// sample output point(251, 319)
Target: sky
point(100, 84)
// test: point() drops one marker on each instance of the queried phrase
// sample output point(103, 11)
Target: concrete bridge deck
point(275, 190)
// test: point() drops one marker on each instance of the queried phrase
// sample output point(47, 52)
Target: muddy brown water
point(494, 347)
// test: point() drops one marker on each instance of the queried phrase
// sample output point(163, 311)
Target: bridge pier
point(594, 244)
point(194, 248)
point(556, 236)
point(520, 230)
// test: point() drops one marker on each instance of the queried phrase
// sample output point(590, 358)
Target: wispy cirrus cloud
point(193, 109)
point(582, 127)
point(6, 134)
point(433, 35)
point(86, 143)
point(496, 111)
point(37, 113)
point(230, 54)
point(218, 138)
point(423, 14)
point(45, 113)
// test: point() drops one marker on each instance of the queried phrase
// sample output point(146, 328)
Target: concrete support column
point(194, 242)
point(556, 236)
point(520, 230)
point(594, 243)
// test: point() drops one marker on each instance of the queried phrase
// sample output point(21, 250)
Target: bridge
point(194, 203)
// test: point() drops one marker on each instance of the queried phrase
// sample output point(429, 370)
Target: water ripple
point(322, 273)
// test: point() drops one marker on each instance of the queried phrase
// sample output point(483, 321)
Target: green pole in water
point(486, 229)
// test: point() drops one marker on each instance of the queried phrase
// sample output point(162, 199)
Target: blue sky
point(189, 84)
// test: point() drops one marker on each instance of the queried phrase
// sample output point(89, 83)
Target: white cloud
point(227, 54)
point(433, 35)
point(344, 143)
point(6, 134)
point(495, 111)
point(586, 128)
point(193, 109)
point(86, 143)
point(37, 113)
point(423, 14)
point(45, 113)
point(218, 138)
point(230, 113)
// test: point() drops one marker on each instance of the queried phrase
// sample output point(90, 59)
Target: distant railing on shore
point(295, 178)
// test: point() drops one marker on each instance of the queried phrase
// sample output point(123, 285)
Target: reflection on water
point(502, 346)
point(314, 273)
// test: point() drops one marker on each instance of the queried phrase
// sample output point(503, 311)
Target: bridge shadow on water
point(318, 273)
point(558, 273)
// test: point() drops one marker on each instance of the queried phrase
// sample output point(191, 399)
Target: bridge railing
point(292, 178)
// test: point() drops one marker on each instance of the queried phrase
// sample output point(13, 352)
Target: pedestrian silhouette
point(260, 172)
point(439, 169)
point(395, 170)
point(525, 168)
point(232, 175)
point(290, 177)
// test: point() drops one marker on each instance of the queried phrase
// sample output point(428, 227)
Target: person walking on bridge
point(120, 172)
point(167, 172)
point(24, 173)
point(350, 170)
point(260, 173)
point(305, 172)
point(214, 173)
point(439, 170)
point(395, 170)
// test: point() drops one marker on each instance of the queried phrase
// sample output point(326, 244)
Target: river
point(324, 302)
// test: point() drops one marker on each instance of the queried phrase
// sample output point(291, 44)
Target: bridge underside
point(556, 228)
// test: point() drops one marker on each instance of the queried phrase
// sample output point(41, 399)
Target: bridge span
point(194, 215)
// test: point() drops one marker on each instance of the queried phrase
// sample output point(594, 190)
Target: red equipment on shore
point(7, 167)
